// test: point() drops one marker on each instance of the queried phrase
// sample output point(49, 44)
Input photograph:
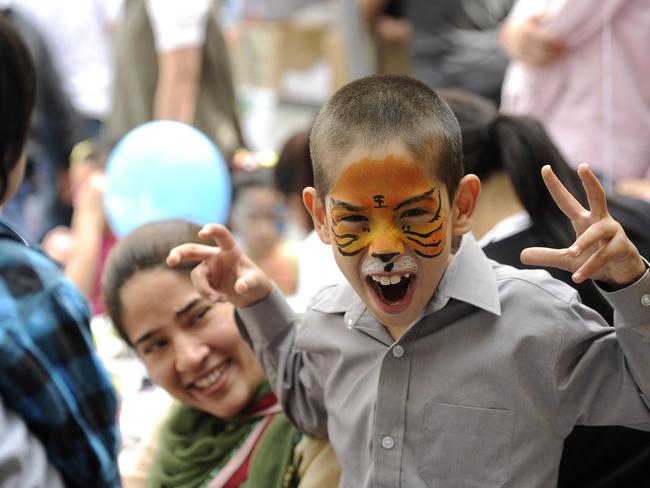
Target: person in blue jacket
point(56, 398)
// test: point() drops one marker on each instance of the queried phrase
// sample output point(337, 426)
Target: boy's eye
point(414, 213)
point(353, 218)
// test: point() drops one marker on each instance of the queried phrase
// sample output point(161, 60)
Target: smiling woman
point(227, 429)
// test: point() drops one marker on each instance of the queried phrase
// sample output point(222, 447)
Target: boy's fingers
point(595, 191)
point(220, 234)
point(547, 257)
point(562, 197)
point(248, 282)
point(622, 258)
point(601, 231)
point(190, 252)
point(242, 286)
point(592, 265)
point(201, 280)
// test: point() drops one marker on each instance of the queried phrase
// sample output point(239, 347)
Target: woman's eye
point(196, 319)
point(155, 346)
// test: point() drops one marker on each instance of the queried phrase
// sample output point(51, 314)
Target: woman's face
point(190, 346)
point(258, 216)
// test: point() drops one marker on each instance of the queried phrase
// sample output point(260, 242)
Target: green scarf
point(195, 445)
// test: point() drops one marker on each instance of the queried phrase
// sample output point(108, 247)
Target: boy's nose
point(385, 258)
point(190, 353)
point(386, 245)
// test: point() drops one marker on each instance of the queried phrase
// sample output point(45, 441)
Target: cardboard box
point(263, 52)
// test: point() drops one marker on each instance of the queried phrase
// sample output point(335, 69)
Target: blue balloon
point(164, 170)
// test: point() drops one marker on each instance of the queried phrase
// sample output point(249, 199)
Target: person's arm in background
point(87, 230)
point(635, 187)
point(178, 83)
point(524, 37)
point(179, 32)
point(539, 37)
point(385, 27)
point(457, 44)
point(371, 9)
point(579, 20)
point(78, 247)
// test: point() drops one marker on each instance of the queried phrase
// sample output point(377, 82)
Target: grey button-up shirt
point(480, 392)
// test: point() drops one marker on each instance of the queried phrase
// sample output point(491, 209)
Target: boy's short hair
point(378, 110)
point(17, 93)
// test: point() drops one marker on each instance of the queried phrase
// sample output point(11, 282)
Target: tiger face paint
point(388, 223)
point(386, 205)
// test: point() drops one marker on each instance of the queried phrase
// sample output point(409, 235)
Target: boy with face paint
point(434, 366)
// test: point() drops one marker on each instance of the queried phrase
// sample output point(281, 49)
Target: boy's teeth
point(390, 280)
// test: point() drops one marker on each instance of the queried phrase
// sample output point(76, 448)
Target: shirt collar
point(468, 278)
point(337, 298)
point(9, 232)
point(507, 227)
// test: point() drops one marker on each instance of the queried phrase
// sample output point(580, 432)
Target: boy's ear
point(315, 208)
point(464, 204)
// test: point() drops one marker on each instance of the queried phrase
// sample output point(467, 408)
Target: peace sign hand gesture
point(225, 272)
point(601, 251)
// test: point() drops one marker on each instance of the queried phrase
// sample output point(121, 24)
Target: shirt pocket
point(465, 447)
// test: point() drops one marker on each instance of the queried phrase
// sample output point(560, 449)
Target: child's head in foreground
point(17, 92)
point(389, 193)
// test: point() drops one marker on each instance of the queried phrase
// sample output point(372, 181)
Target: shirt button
point(349, 322)
point(387, 442)
point(398, 351)
point(645, 300)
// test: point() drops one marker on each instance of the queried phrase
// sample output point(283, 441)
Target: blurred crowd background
point(252, 74)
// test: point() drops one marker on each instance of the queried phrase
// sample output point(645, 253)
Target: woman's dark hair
point(294, 173)
point(17, 93)
point(518, 146)
point(144, 248)
point(294, 170)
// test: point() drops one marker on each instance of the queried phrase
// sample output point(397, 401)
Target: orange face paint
point(385, 205)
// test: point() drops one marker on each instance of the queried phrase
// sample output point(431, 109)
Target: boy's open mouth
point(391, 289)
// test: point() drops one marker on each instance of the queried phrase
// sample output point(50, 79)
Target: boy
point(434, 366)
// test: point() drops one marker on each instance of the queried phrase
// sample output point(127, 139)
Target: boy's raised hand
point(225, 272)
point(601, 251)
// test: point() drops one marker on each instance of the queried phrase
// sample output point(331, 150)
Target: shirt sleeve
point(632, 320)
point(270, 327)
point(601, 376)
point(178, 24)
point(23, 461)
